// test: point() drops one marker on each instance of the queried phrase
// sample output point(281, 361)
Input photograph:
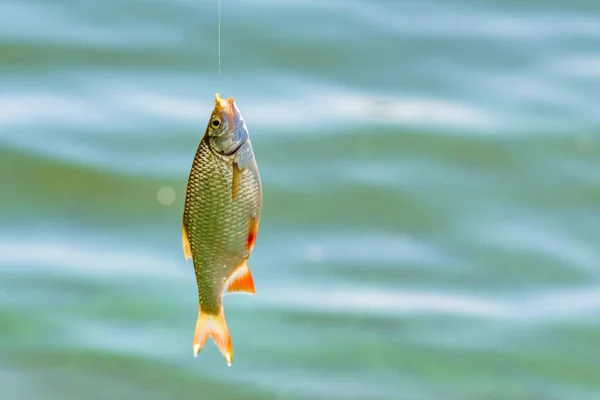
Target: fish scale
point(217, 238)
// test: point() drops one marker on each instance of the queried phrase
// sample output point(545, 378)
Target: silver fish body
point(220, 220)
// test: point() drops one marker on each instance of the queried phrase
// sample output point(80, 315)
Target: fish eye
point(215, 123)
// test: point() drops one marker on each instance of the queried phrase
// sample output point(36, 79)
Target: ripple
point(76, 258)
point(364, 247)
point(541, 239)
point(530, 307)
point(58, 25)
point(307, 111)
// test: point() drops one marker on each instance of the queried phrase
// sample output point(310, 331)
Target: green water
point(431, 173)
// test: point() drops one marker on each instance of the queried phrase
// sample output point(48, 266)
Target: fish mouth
point(225, 105)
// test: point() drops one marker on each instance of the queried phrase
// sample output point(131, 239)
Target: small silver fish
point(220, 220)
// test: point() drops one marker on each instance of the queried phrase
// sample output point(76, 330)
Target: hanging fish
point(220, 220)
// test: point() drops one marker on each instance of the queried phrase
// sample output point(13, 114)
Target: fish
point(220, 220)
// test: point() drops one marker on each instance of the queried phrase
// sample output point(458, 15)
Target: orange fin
point(187, 250)
point(252, 233)
point(235, 181)
point(241, 281)
point(209, 325)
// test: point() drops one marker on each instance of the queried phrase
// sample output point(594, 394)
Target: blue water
point(431, 176)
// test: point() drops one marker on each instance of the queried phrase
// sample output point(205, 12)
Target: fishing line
point(219, 40)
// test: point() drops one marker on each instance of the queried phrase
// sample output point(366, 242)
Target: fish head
point(226, 128)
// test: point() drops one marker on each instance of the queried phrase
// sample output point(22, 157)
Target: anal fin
point(187, 250)
point(241, 281)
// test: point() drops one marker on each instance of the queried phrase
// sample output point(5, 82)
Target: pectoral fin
point(243, 160)
point(252, 233)
point(235, 181)
point(187, 250)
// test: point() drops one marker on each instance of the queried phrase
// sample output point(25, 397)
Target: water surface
point(431, 186)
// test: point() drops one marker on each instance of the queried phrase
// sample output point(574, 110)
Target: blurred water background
point(431, 173)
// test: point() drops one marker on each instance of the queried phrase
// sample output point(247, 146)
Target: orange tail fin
point(209, 325)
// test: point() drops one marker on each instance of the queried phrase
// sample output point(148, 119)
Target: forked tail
point(210, 325)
